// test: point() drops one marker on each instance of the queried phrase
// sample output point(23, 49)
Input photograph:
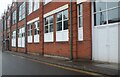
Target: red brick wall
point(84, 48)
point(81, 49)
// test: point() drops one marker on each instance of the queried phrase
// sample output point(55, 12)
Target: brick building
point(77, 30)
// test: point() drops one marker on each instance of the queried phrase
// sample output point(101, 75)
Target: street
point(16, 65)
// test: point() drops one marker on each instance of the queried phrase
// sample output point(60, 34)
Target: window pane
point(65, 25)
point(59, 16)
point(51, 28)
point(65, 14)
point(80, 22)
point(46, 29)
point(112, 4)
point(51, 19)
point(99, 6)
point(80, 9)
point(46, 21)
point(100, 18)
point(113, 16)
point(59, 26)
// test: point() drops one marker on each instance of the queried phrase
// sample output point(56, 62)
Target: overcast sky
point(3, 5)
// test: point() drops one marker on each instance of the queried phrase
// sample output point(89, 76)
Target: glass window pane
point(46, 21)
point(100, 18)
point(65, 14)
point(65, 25)
point(80, 9)
point(112, 4)
point(51, 19)
point(51, 28)
point(46, 29)
point(113, 16)
point(59, 16)
point(80, 22)
point(99, 6)
point(59, 26)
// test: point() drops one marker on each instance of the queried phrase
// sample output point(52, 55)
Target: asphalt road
point(16, 65)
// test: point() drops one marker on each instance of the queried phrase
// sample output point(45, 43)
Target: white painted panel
point(29, 39)
point(23, 42)
point(62, 35)
point(19, 42)
point(113, 41)
point(36, 19)
point(36, 38)
point(80, 1)
point(48, 37)
point(80, 34)
point(105, 43)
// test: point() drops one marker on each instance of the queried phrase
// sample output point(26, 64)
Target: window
point(105, 13)
point(21, 37)
point(47, 1)
point(36, 4)
point(62, 26)
point(30, 6)
point(13, 38)
point(36, 31)
point(80, 22)
point(14, 17)
point(36, 28)
point(48, 28)
point(8, 22)
point(62, 20)
point(22, 11)
point(80, 16)
point(30, 30)
point(48, 24)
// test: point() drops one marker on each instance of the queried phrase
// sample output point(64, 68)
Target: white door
point(105, 43)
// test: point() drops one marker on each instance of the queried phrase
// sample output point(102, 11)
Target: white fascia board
point(36, 19)
point(56, 10)
point(80, 1)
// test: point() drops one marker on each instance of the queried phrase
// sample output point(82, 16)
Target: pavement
point(109, 69)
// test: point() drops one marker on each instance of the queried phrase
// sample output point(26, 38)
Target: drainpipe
point(71, 50)
point(3, 34)
point(25, 27)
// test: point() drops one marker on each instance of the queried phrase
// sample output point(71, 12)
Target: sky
point(3, 5)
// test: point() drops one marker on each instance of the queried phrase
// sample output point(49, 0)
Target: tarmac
point(109, 69)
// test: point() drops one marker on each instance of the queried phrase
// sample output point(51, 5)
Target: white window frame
point(22, 11)
point(62, 35)
point(21, 37)
point(14, 17)
point(37, 31)
point(48, 37)
point(106, 10)
point(80, 26)
point(14, 39)
point(29, 31)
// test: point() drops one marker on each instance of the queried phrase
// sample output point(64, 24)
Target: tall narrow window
point(8, 22)
point(29, 33)
point(48, 28)
point(22, 11)
point(62, 26)
point(14, 17)
point(36, 31)
point(80, 22)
